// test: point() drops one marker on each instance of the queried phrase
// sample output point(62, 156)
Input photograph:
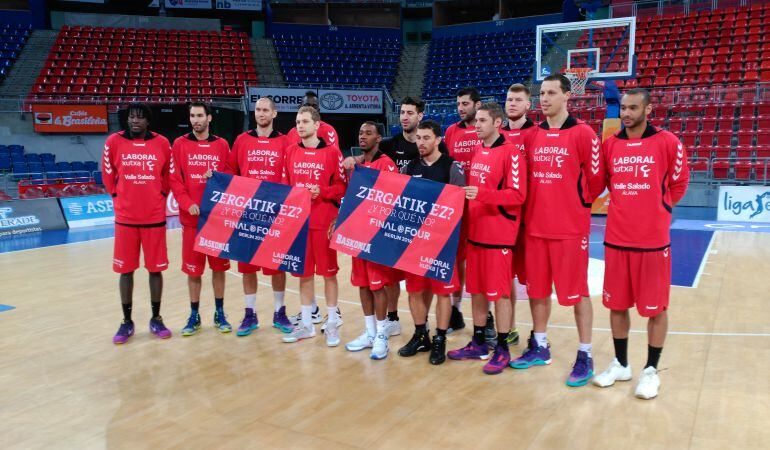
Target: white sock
point(371, 325)
point(307, 319)
point(542, 340)
point(586, 348)
point(251, 301)
point(331, 311)
point(456, 300)
point(313, 302)
point(278, 299)
point(381, 326)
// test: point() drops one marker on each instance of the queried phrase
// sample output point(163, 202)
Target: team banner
point(241, 5)
point(256, 222)
point(399, 221)
point(69, 118)
point(350, 102)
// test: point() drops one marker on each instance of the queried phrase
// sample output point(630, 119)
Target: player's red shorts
point(519, 259)
point(560, 262)
point(319, 258)
point(640, 278)
point(193, 263)
point(488, 271)
point(250, 268)
point(128, 241)
point(417, 283)
point(371, 275)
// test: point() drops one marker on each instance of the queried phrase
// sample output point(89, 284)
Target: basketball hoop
point(578, 77)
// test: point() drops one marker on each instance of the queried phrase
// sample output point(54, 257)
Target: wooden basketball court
point(63, 384)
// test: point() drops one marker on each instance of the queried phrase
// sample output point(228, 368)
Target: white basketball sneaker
point(380, 346)
point(332, 333)
point(392, 327)
point(360, 343)
point(299, 333)
point(649, 382)
point(615, 372)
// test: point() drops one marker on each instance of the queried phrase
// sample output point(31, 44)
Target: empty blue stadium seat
point(91, 166)
point(77, 165)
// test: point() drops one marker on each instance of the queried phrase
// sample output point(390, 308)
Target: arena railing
point(669, 7)
point(24, 103)
point(757, 170)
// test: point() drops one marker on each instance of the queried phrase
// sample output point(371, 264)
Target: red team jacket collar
point(126, 134)
point(569, 123)
point(527, 124)
point(273, 135)
point(191, 136)
point(321, 143)
point(648, 132)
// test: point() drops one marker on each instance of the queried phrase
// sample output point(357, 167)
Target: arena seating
point(338, 59)
point(117, 65)
point(476, 60)
point(20, 165)
point(12, 39)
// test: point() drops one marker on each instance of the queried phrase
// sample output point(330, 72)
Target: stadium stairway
point(266, 62)
point(411, 71)
point(31, 60)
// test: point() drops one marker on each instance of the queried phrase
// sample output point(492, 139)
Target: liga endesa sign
point(399, 221)
point(256, 222)
point(70, 118)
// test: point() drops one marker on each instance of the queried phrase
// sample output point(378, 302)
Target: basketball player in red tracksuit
point(261, 154)
point(370, 278)
point(460, 139)
point(566, 175)
point(497, 187)
point(647, 174)
point(325, 130)
point(519, 132)
point(135, 169)
point(195, 154)
point(317, 166)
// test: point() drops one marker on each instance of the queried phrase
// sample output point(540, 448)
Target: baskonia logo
point(7, 221)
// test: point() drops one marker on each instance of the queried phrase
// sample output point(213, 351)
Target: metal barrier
point(668, 7)
point(754, 171)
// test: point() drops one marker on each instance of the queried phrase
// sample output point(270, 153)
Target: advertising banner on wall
point(189, 4)
point(350, 102)
point(69, 118)
point(286, 100)
point(239, 5)
point(332, 101)
point(88, 210)
point(744, 204)
point(30, 216)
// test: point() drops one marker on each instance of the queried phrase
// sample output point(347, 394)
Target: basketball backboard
point(606, 46)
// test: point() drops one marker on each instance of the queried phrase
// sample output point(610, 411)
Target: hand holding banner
point(255, 222)
point(400, 221)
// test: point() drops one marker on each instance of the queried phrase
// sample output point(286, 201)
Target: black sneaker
point(513, 337)
point(420, 342)
point(456, 321)
point(490, 333)
point(438, 350)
